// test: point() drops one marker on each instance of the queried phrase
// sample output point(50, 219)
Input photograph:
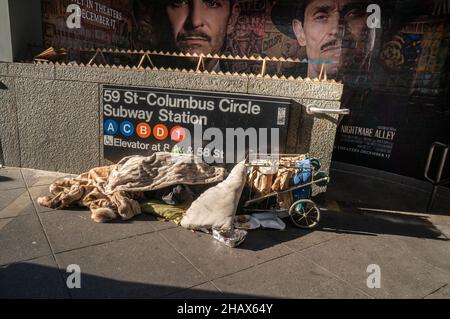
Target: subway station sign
point(213, 125)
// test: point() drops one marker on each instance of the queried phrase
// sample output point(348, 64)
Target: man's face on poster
point(333, 30)
point(200, 26)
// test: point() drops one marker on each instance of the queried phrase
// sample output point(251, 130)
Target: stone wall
point(50, 114)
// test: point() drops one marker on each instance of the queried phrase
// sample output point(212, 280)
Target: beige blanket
point(112, 192)
point(138, 173)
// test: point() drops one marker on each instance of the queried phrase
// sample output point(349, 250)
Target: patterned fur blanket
point(112, 192)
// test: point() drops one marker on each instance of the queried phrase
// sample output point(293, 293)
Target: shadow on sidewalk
point(380, 223)
point(5, 179)
point(353, 189)
point(32, 281)
point(354, 223)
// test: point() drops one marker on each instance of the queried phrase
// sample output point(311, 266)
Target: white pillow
point(216, 207)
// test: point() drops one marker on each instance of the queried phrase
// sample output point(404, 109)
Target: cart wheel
point(305, 214)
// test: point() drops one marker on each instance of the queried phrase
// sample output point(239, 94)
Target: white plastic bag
point(231, 238)
point(270, 220)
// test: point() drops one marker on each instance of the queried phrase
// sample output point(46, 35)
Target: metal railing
point(310, 109)
point(437, 180)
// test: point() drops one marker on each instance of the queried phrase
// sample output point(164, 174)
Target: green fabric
point(174, 213)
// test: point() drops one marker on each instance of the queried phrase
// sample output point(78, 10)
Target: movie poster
point(392, 56)
point(102, 23)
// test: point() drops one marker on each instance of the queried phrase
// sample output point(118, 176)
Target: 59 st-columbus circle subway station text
point(168, 102)
point(142, 120)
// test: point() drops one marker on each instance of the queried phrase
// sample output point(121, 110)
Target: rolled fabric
point(216, 207)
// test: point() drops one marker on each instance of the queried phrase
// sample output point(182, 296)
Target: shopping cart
point(305, 173)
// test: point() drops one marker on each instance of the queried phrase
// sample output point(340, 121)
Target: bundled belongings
point(180, 194)
point(275, 176)
point(112, 192)
point(123, 191)
point(169, 186)
point(290, 193)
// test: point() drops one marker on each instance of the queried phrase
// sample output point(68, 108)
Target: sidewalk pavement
point(365, 221)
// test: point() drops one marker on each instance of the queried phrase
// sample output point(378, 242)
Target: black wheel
point(305, 214)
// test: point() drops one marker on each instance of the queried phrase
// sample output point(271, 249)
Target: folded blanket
point(112, 192)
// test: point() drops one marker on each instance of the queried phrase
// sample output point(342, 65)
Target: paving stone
point(34, 177)
point(298, 239)
point(215, 259)
point(22, 238)
point(332, 225)
point(4, 222)
point(68, 230)
point(11, 178)
point(403, 273)
point(15, 202)
point(207, 291)
point(145, 266)
point(435, 252)
point(203, 291)
point(442, 293)
point(291, 276)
